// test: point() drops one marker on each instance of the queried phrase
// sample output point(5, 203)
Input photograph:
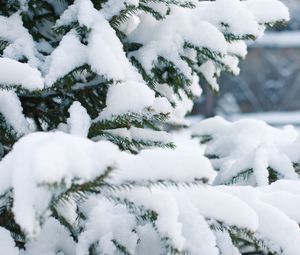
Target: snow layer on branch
point(209, 72)
point(7, 244)
point(184, 216)
point(104, 51)
point(274, 224)
point(42, 159)
point(23, 75)
point(59, 236)
point(11, 109)
point(225, 244)
point(195, 228)
point(69, 54)
point(229, 16)
point(106, 222)
point(106, 54)
point(20, 41)
point(237, 48)
point(181, 165)
point(114, 7)
point(79, 121)
point(185, 213)
point(127, 97)
point(291, 150)
point(183, 104)
point(289, 186)
point(248, 144)
point(166, 38)
point(176, 207)
point(142, 134)
point(268, 11)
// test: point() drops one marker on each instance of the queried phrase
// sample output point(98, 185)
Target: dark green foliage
point(244, 239)
point(243, 175)
point(8, 136)
point(7, 219)
point(49, 107)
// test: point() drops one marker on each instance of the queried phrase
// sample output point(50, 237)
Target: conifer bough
point(89, 89)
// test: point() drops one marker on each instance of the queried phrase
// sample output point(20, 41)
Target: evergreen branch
point(184, 4)
point(274, 175)
point(81, 191)
point(244, 175)
point(64, 222)
point(150, 11)
point(212, 156)
point(148, 118)
point(121, 248)
point(129, 185)
point(232, 37)
point(148, 78)
point(123, 16)
point(7, 220)
point(297, 168)
point(240, 177)
point(165, 72)
point(133, 145)
point(8, 136)
point(3, 45)
point(143, 215)
point(204, 139)
point(236, 233)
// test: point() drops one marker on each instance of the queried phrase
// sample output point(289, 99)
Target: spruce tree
point(85, 85)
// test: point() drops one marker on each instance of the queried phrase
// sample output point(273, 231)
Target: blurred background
point(268, 86)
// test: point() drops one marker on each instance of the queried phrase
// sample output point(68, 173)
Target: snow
point(161, 105)
point(79, 121)
point(264, 14)
point(238, 48)
point(61, 62)
point(7, 244)
point(130, 25)
point(209, 72)
point(209, 199)
point(249, 144)
point(184, 164)
point(68, 16)
point(11, 109)
point(180, 186)
point(165, 205)
point(143, 134)
point(150, 242)
point(131, 97)
point(184, 213)
point(166, 38)
point(23, 75)
point(114, 7)
point(118, 225)
point(59, 236)
point(225, 244)
point(41, 159)
point(104, 51)
point(288, 203)
point(232, 62)
point(237, 17)
point(195, 228)
point(106, 54)
point(21, 43)
point(274, 224)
